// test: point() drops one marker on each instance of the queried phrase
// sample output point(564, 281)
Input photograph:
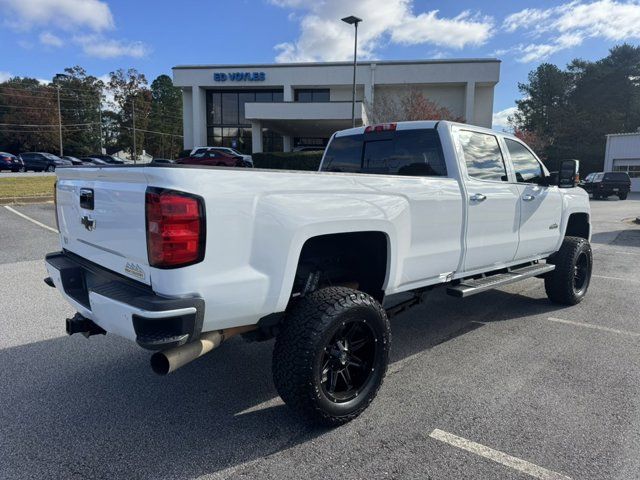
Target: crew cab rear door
point(540, 206)
point(493, 212)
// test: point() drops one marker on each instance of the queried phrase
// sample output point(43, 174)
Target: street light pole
point(351, 20)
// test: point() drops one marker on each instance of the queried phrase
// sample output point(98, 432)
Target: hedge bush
point(287, 160)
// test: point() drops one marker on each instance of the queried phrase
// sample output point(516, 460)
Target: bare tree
point(411, 106)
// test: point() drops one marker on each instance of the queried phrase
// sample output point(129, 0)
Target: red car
point(211, 157)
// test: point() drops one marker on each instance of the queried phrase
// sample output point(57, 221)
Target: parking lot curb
point(19, 200)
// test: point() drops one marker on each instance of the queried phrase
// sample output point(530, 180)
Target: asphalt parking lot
point(499, 385)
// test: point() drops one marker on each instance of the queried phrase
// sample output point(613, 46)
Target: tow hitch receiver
point(80, 324)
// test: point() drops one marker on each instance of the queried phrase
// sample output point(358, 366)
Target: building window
point(226, 122)
point(629, 166)
point(312, 95)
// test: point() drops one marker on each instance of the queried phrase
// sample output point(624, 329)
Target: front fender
point(285, 221)
point(574, 200)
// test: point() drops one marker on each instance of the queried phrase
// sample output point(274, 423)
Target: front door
point(493, 210)
point(540, 206)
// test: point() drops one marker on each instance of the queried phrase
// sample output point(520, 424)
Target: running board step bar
point(472, 286)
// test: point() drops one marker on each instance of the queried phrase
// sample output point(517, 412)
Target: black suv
point(604, 184)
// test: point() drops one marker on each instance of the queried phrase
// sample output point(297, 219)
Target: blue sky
point(41, 37)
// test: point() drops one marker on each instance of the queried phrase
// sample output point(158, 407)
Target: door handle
point(528, 198)
point(478, 197)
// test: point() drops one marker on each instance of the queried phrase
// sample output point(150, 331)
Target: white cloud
point(501, 119)
point(457, 32)
point(100, 47)
point(324, 37)
point(4, 76)
point(64, 14)
point(48, 38)
point(569, 24)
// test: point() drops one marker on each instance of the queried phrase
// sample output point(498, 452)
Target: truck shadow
point(78, 408)
point(621, 238)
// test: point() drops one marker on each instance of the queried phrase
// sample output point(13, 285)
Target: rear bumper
point(123, 306)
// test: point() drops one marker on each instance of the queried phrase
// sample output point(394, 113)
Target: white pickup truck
point(180, 258)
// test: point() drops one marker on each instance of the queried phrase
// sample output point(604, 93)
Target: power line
point(51, 88)
point(153, 131)
point(46, 125)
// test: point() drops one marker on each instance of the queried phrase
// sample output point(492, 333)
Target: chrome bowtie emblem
point(89, 223)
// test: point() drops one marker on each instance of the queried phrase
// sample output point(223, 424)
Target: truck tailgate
point(101, 216)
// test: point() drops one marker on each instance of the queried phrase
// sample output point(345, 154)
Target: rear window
point(404, 152)
point(617, 177)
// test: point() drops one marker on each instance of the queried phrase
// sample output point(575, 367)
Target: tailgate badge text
point(134, 269)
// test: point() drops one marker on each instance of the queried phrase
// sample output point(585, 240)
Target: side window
point(526, 166)
point(483, 156)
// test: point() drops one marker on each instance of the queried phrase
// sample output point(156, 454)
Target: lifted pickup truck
point(180, 258)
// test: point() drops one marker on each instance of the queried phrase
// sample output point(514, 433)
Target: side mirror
point(569, 174)
point(552, 179)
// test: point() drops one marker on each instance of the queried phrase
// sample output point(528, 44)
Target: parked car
point(43, 162)
point(74, 160)
point(179, 261)
point(110, 159)
point(605, 184)
point(231, 151)
point(309, 148)
point(93, 161)
point(164, 161)
point(213, 157)
point(10, 162)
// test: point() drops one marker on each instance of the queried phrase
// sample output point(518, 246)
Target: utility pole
point(100, 120)
point(133, 106)
point(60, 121)
point(351, 20)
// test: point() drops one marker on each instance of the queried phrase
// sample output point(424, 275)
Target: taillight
point(385, 127)
point(175, 228)
point(55, 203)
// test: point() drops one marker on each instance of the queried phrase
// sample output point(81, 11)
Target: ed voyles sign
point(239, 77)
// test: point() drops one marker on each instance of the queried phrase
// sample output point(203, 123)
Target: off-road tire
point(302, 345)
point(622, 196)
point(561, 284)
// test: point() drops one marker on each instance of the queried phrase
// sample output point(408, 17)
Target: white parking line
point(616, 278)
point(594, 327)
point(497, 456)
point(31, 219)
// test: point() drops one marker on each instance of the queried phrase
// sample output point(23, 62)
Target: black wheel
point(622, 196)
point(51, 168)
point(331, 355)
point(568, 283)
